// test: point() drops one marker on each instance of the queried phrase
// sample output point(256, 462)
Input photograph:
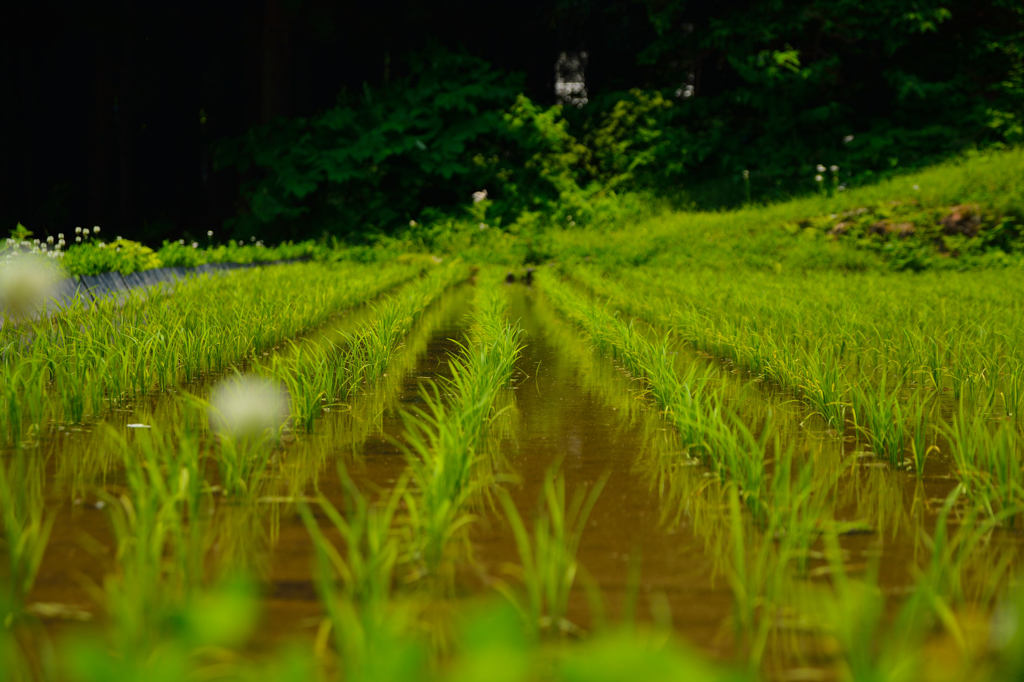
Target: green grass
point(756, 237)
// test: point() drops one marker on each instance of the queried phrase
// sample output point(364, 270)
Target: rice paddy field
point(683, 466)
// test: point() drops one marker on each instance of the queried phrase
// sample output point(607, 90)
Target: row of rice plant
point(409, 538)
point(820, 333)
point(773, 564)
point(849, 362)
point(448, 467)
point(76, 365)
point(855, 363)
point(319, 375)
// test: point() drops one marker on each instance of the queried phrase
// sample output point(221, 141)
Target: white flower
point(78, 239)
point(916, 188)
point(209, 233)
point(479, 196)
point(247, 406)
point(820, 168)
point(96, 228)
point(848, 139)
point(842, 188)
point(834, 168)
point(78, 230)
point(195, 245)
point(25, 283)
point(182, 242)
point(49, 240)
point(818, 178)
point(60, 236)
point(86, 232)
point(483, 226)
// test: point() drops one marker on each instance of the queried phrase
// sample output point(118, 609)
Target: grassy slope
point(754, 237)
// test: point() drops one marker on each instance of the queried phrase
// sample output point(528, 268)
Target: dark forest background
point(303, 118)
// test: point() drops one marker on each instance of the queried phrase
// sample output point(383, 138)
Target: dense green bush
point(416, 150)
point(373, 161)
point(189, 255)
point(126, 257)
point(874, 87)
point(120, 255)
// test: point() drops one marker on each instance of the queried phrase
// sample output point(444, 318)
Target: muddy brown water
point(567, 405)
point(585, 413)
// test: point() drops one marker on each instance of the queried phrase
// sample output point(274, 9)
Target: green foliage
point(628, 139)
point(869, 86)
point(20, 233)
point(376, 159)
point(120, 255)
point(910, 236)
point(178, 253)
point(415, 151)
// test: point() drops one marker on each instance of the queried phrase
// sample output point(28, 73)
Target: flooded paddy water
point(660, 542)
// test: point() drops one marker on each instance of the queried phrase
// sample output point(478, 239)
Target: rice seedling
point(549, 564)
point(853, 613)
point(919, 412)
point(355, 581)
point(961, 572)
point(850, 328)
point(26, 531)
point(756, 571)
point(156, 523)
point(1013, 392)
point(878, 414)
point(988, 462)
